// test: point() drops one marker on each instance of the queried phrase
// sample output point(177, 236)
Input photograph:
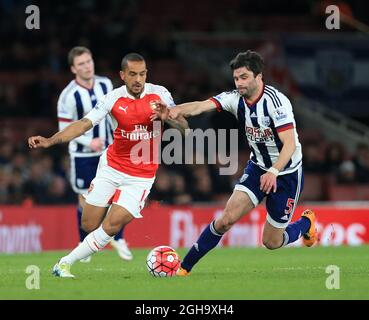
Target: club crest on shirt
point(265, 121)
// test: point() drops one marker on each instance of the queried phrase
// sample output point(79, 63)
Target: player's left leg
point(132, 196)
point(274, 237)
point(237, 206)
point(245, 197)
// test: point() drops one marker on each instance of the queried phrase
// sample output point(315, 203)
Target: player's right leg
point(98, 200)
point(116, 218)
point(90, 220)
point(92, 243)
point(237, 206)
point(128, 200)
point(245, 197)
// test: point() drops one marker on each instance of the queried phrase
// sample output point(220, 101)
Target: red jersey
point(132, 151)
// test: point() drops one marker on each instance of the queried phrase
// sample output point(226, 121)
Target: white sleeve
point(282, 115)
point(100, 110)
point(67, 114)
point(66, 109)
point(227, 101)
point(166, 97)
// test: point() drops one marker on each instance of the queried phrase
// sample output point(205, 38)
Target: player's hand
point(97, 144)
point(160, 110)
point(268, 182)
point(174, 113)
point(38, 142)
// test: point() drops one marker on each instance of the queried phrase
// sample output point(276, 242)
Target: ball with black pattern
point(163, 261)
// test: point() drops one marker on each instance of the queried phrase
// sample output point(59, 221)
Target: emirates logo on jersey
point(140, 133)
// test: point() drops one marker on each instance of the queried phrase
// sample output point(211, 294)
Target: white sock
point(94, 242)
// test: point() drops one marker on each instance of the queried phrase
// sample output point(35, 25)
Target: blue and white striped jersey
point(74, 103)
point(269, 114)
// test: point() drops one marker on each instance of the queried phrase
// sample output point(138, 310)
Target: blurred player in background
point(118, 179)
point(274, 170)
point(75, 101)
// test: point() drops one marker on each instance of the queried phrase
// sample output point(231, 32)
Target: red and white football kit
point(120, 177)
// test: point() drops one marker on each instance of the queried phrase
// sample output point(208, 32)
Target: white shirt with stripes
point(262, 120)
point(74, 103)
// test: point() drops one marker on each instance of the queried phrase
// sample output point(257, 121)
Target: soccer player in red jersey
point(122, 182)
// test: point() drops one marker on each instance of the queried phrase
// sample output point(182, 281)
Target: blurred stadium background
point(187, 47)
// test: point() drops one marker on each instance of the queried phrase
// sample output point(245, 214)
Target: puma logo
point(123, 108)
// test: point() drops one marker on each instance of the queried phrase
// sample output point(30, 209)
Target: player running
point(120, 179)
point(76, 100)
point(274, 170)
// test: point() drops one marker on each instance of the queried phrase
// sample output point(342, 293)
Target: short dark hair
point(252, 60)
point(77, 51)
point(131, 57)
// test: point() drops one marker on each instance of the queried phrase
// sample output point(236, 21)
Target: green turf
point(237, 273)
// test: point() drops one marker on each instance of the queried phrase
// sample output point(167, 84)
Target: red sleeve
point(65, 120)
point(217, 104)
point(284, 127)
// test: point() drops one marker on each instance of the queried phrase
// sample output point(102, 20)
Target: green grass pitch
point(232, 273)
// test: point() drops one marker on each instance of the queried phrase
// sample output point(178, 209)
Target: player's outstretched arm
point(74, 130)
point(161, 111)
point(191, 109)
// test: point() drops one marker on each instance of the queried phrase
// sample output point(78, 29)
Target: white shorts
point(112, 186)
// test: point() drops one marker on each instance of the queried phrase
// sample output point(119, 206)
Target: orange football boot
point(182, 272)
point(311, 236)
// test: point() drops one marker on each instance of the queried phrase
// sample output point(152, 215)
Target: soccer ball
point(163, 261)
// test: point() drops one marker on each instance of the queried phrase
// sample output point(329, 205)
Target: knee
point(224, 223)
point(111, 227)
point(272, 244)
point(88, 226)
